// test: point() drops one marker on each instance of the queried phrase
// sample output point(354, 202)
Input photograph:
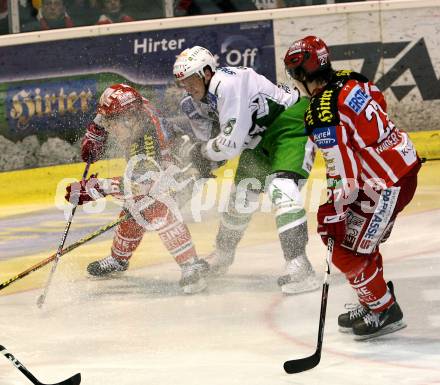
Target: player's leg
point(126, 239)
point(360, 260)
point(291, 155)
point(234, 222)
point(177, 239)
point(291, 222)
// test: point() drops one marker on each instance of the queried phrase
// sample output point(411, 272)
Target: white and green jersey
point(247, 104)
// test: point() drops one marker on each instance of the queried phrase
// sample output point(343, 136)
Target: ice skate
point(377, 324)
point(346, 320)
point(373, 325)
point(219, 262)
point(106, 267)
point(299, 278)
point(193, 273)
point(355, 313)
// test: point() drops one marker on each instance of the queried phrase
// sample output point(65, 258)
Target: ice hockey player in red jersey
point(134, 123)
point(371, 169)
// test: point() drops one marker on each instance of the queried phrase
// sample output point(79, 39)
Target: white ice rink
point(140, 330)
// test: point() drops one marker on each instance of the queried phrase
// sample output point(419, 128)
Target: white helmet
point(193, 61)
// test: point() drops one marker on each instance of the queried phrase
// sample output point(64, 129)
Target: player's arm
point(342, 179)
point(93, 142)
point(235, 123)
point(363, 108)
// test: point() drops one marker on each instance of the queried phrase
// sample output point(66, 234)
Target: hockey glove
point(85, 191)
point(191, 152)
point(93, 143)
point(331, 224)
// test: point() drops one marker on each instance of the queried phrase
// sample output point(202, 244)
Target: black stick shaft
point(324, 297)
point(307, 363)
point(43, 296)
point(69, 248)
point(19, 365)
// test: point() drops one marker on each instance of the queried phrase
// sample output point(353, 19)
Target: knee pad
point(286, 198)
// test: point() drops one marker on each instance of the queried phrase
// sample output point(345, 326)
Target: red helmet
point(307, 55)
point(118, 98)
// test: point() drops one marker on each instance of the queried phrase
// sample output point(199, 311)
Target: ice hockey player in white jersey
point(263, 124)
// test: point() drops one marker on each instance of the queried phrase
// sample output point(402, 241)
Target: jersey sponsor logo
point(365, 294)
point(225, 142)
point(229, 126)
point(325, 137)
point(389, 142)
point(149, 147)
point(324, 109)
point(380, 219)
point(357, 99)
point(355, 224)
point(407, 151)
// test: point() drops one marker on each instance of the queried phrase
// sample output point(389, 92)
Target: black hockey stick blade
point(74, 380)
point(302, 364)
point(307, 363)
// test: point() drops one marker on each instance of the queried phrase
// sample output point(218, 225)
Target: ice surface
point(139, 329)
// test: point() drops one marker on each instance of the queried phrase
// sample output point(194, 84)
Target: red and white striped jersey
point(359, 142)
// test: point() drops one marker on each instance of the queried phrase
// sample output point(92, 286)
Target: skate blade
point(195, 287)
point(391, 328)
point(217, 272)
point(293, 288)
point(109, 276)
point(345, 330)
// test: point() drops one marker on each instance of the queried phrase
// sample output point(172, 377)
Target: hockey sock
point(127, 237)
point(370, 285)
point(234, 223)
point(177, 239)
point(294, 241)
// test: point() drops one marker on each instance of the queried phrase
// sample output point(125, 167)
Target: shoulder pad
point(346, 75)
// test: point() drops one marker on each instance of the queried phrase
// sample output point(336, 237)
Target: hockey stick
point(307, 363)
point(74, 380)
point(42, 297)
point(69, 248)
point(424, 160)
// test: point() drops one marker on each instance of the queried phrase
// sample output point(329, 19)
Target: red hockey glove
point(331, 224)
point(92, 145)
point(87, 190)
